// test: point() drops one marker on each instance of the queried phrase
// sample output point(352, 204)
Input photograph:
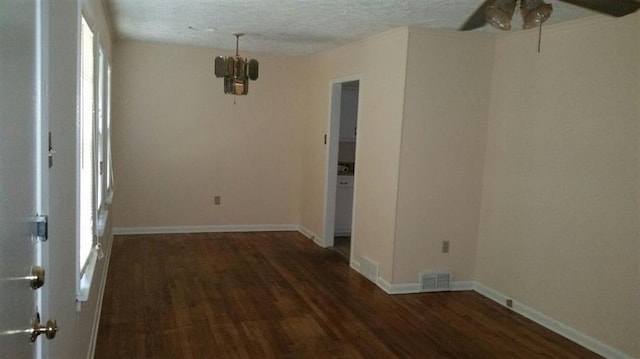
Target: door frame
point(331, 173)
point(42, 162)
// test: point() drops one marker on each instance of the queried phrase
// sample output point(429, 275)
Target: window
point(86, 145)
point(108, 173)
point(95, 180)
point(100, 114)
point(104, 175)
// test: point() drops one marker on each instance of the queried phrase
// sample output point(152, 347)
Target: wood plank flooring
point(278, 295)
point(342, 245)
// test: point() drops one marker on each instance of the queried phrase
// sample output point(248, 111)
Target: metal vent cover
point(435, 282)
point(369, 269)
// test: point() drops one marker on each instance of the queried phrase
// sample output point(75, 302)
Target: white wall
point(559, 215)
point(381, 63)
point(444, 129)
point(74, 338)
point(179, 140)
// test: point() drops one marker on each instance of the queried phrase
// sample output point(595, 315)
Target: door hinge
point(42, 227)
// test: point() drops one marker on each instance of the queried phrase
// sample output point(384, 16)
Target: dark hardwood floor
point(342, 245)
point(278, 295)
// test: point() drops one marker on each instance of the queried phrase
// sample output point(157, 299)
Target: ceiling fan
point(534, 12)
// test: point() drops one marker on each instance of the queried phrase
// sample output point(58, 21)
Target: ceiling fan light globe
point(498, 19)
point(536, 16)
point(500, 13)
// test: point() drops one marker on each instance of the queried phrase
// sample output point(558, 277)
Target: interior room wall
point(380, 61)
point(559, 217)
point(536, 153)
point(179, 141)
point(77, 328)
point(446, 106)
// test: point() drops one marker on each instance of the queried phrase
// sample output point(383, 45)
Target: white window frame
point(104, 171)
point(99, 135)
point(101, 172)
point(108, 159)
point(86, 151)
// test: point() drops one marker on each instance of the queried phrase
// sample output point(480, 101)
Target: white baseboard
point(564, 330)
point(355, 265)
point(312, 236)
point(220, 229)
point(205, 229)
point(306, 232)
point(398, 288)
point(383, 284)
point(412, 288)
point(459, 286)
point(409, 288)
point(586, 341)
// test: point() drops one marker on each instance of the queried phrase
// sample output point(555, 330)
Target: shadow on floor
point(342, 245)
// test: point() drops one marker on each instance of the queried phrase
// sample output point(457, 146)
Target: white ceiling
point(292, 27)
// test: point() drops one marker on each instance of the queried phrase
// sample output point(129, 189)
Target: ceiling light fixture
point(534, 13)
point(236, 71)
point(500, 13)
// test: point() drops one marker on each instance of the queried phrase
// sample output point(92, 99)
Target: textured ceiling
point(291, 27)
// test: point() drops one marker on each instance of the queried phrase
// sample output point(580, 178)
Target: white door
point(20, 159)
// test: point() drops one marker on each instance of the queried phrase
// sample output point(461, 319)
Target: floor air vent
point(369, 269)
point(435, 282)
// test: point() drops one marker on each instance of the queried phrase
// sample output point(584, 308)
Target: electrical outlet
point(445, 246)
point(216, 200)
point(510, 303)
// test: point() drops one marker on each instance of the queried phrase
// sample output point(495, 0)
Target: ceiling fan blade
point(478, 18)
point(615, 8)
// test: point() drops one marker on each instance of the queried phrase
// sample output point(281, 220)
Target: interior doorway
point(341, 168)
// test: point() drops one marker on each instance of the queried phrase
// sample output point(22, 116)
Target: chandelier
point(236, 71)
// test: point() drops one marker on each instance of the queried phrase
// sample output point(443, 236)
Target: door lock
point(49, 330)
point(36, 277)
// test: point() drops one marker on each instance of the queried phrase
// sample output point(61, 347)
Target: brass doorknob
point(49, 330)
